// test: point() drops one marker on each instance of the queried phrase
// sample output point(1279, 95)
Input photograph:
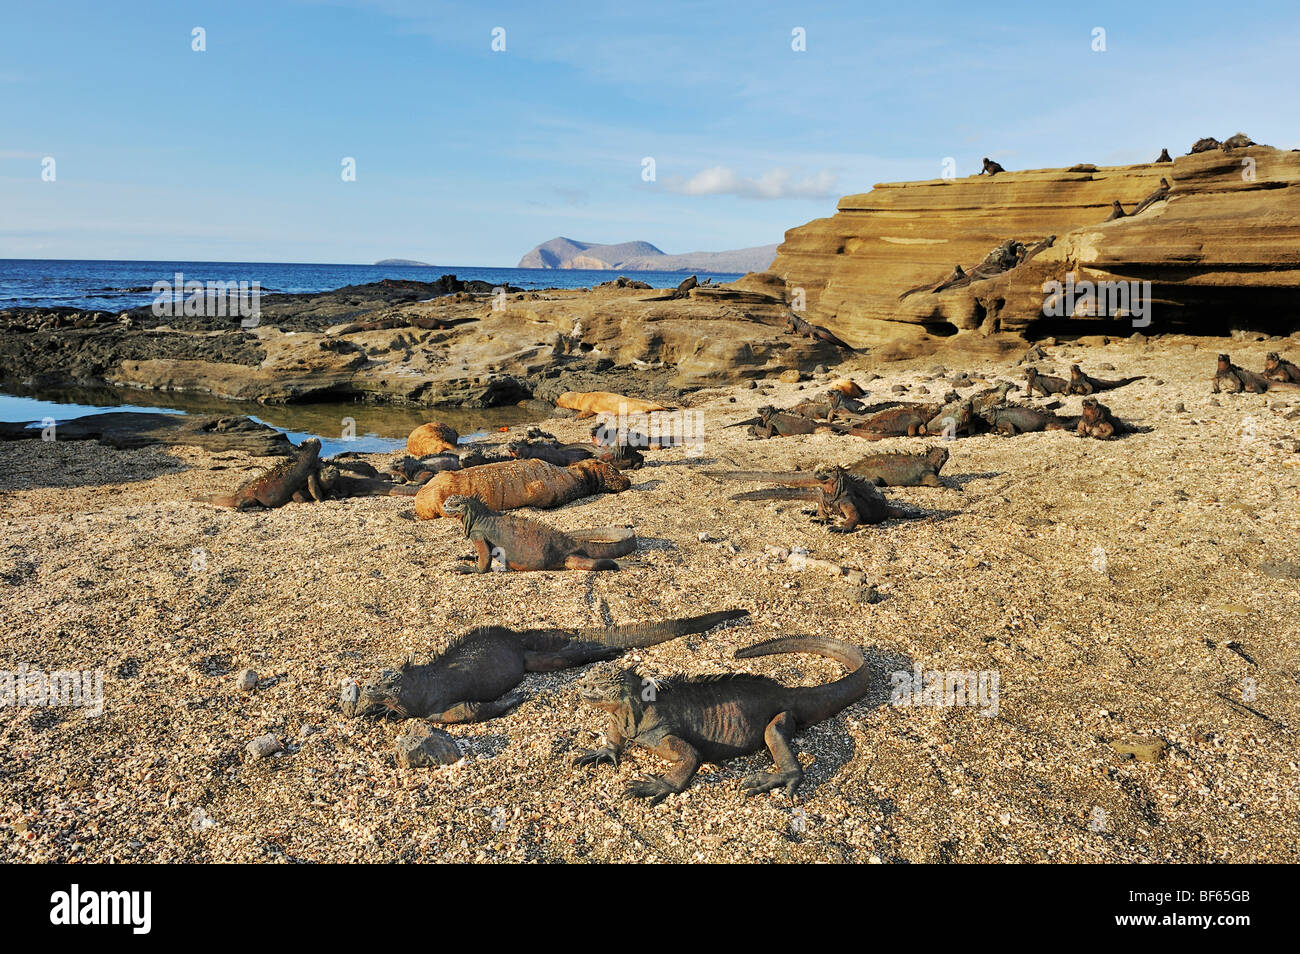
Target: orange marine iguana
point(519, 483)
point(893, 469)
point(839, 495)
point(687, 721)
point(1097, 421)
point(296, 478)
point(1081, 383)
point(471, 679)
point(524, 544)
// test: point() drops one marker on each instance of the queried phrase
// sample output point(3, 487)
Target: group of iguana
point(685, 721)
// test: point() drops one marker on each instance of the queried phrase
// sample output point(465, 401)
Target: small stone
point(899, 389)
point(246, 681)
point(308, 729)
point(1144, 750)
point(751, 384)
point(790, 376)
point(425, 747)
point(866, 595)
point(1280, 569)
point(1180, 408)
point(821, 369)
point(266, 746)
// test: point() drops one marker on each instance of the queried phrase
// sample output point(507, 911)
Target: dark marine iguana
point(1154, 197)
point(524, 544)
point(471, 679)
point(1012, 419)
point(291, 479)
point(794, 325)
point(1081, 383)
point(892, 469)
point(1046, 383)
point(839, 495)
point(1277, 368)
point(1235, 380)
point(687, 721)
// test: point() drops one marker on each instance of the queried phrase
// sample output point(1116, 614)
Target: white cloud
point(773, 184)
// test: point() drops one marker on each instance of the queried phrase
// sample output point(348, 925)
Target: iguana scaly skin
point(952, 419)
point(774, 423)
point(1017, 419)
point(470, 679)
point(525, 544)
point(520, 483)
point(1234, 380)
point(1044, 382)
point(714, 718)
point(1097, 421)
point(591, 403)
point(908, 420)
point(1081, 383)
point(1277, 368)
point(293, 478)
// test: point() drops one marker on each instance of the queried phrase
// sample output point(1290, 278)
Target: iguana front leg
point(779, 737)
point(483, 562)
point(685, 761)
point(315, 489)
point(609, 752)
point(478, 711)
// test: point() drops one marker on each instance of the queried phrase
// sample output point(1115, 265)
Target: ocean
point(117, 286)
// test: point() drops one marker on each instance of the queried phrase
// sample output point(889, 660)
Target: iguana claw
point(766, 781)
point(651, 787)
point(605, 753)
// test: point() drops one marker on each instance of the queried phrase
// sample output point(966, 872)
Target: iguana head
point(610, 688)
point(467, 509)
point(1076, 371)
point(1225, 362)
point(1093, 410)
point(1272, 361)
point(937, 457)
point(381, 696)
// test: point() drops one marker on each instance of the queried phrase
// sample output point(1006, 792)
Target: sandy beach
point(1132, 590)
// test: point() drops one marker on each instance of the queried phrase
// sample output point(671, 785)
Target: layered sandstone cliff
point(1222, 250)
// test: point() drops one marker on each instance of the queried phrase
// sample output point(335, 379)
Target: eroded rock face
point(1224, 245)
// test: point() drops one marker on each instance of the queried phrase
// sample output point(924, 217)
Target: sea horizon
point(123, 284)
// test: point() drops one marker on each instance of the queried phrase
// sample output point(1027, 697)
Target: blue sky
point(466, 156)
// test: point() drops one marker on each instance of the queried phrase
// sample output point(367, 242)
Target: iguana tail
point(790, 478)
point(651, 634)
point(606, 543)
point(812, 704)
point(779, 493)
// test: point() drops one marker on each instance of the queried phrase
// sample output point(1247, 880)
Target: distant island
point(631, 257)
point(643, 257)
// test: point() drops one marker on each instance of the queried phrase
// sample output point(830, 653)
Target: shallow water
point(341, 426)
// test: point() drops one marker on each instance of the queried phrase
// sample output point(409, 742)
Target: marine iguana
point(776, 423)
point(1235, 379)
point(892, 469)
point(553, 452)
point(1044, 382)
point(1033, 250)
point(1154, 197)
point(907, 420)
point(794, 325)
point(839, 495)
point(471, 679)
point(525, 544)
point(1277, 368)
point(295, 478)
point(991, 167)
point(1164, 156)
point(687, 721)
point(1012, 419)
point(954, 418)
point(1205, 144)
point(1097, 421)
point(511, 484)
point(1116, 212)
point(1081, 383)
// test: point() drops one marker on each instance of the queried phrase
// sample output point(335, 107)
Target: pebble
point(790, 376)
point(426, 747)
point(246, 681)
point(751, 384)
point(1144, 750)
point(821, 369)
point(265, 746)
